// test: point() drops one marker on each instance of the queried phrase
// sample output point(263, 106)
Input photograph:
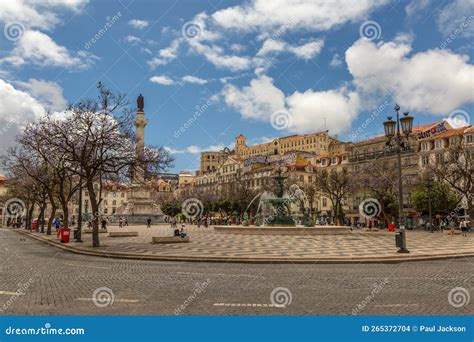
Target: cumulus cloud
point(38, 48)
point(310, 110)
point(256, 101)
point(138, 24)
point(309, 15)
point(305, 51)
point(48, 93)
point(336, 61)
point(434, 81)
point(39, 14)
point(163, 80)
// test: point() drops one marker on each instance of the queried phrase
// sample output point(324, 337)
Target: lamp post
point(398, 134)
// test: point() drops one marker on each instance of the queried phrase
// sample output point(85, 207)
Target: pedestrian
point(120, 222)
point(103, 224)
point(463, 227)
point(125, 221)
point(57, 223)
point(148, 222)
point(183, 231)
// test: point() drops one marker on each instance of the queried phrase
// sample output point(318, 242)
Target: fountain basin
point(282, 230)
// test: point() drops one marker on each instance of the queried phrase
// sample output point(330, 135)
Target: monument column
point(140, 123)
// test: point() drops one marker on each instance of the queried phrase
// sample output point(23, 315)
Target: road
point(38, 279)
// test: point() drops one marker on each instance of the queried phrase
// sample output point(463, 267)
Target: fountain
point(280, 222)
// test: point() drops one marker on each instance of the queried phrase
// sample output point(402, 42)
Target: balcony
point(379, 154)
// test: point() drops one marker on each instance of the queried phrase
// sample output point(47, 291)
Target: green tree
point(443, 199)
point(171, 208)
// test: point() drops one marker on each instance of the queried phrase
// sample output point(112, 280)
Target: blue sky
point(262, 68)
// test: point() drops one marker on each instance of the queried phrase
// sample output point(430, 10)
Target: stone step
point(169, 239)
point(122, 234)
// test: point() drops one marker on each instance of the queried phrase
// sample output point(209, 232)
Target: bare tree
point(380, 179)
point(456, 168)
point(335, 184)
point(96, 141)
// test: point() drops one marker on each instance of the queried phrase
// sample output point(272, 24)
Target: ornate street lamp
point(393, 132)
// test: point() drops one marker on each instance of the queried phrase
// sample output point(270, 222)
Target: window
point(325, 202)
point(439, 158)
point(439, 144)
point(425, 160)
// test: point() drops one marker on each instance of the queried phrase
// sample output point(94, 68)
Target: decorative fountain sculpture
point(281, 217)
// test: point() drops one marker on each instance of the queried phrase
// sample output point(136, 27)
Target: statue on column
point(140, 102)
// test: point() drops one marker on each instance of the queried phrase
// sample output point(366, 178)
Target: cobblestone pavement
point(207, 243)
point(36, 278)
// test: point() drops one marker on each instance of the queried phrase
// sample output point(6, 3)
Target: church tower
point(240, 144)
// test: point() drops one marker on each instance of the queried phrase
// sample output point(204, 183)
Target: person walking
point(125, 222)
point(463, 227)
point(120, 222)
point(148, 222)
point(103, 224)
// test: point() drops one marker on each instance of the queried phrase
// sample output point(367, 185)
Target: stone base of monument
point(89, 231)
point(141, 219)
point(254, 230)
point(169, 239)
point(122, 234)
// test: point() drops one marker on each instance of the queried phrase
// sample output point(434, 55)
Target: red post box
point(34, 226)
point(64, 234)
point(391, 227)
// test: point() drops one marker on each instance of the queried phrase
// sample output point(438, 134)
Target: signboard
point(441, 127)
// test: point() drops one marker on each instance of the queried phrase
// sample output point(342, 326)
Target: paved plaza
point(52, 281)
point(207, 245)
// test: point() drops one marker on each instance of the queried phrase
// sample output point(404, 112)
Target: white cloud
point(309, 110)
point(416, 6)
point(457, 18)
point(38, 48)
point(48, 93)
point(336, 61)
point(318, 110)
point(193, 79)
point(138, 24)
point(164, 80)
point(166, 55)
point(215, 55)
point(308, 50)
point(256, 101)
point(40, 14)
point(18, 106)
point(309, 15)
point(434, 81)
point(193, 149)
point(132, 40)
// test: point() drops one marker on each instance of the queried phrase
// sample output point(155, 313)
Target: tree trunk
point(41, 215)
point(30, 216)
point(51, 219)
point(95, 211)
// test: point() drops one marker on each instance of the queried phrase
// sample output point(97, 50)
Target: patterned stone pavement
point(38, 279)
point(207, 243)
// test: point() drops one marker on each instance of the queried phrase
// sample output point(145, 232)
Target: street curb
point(380, 260)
